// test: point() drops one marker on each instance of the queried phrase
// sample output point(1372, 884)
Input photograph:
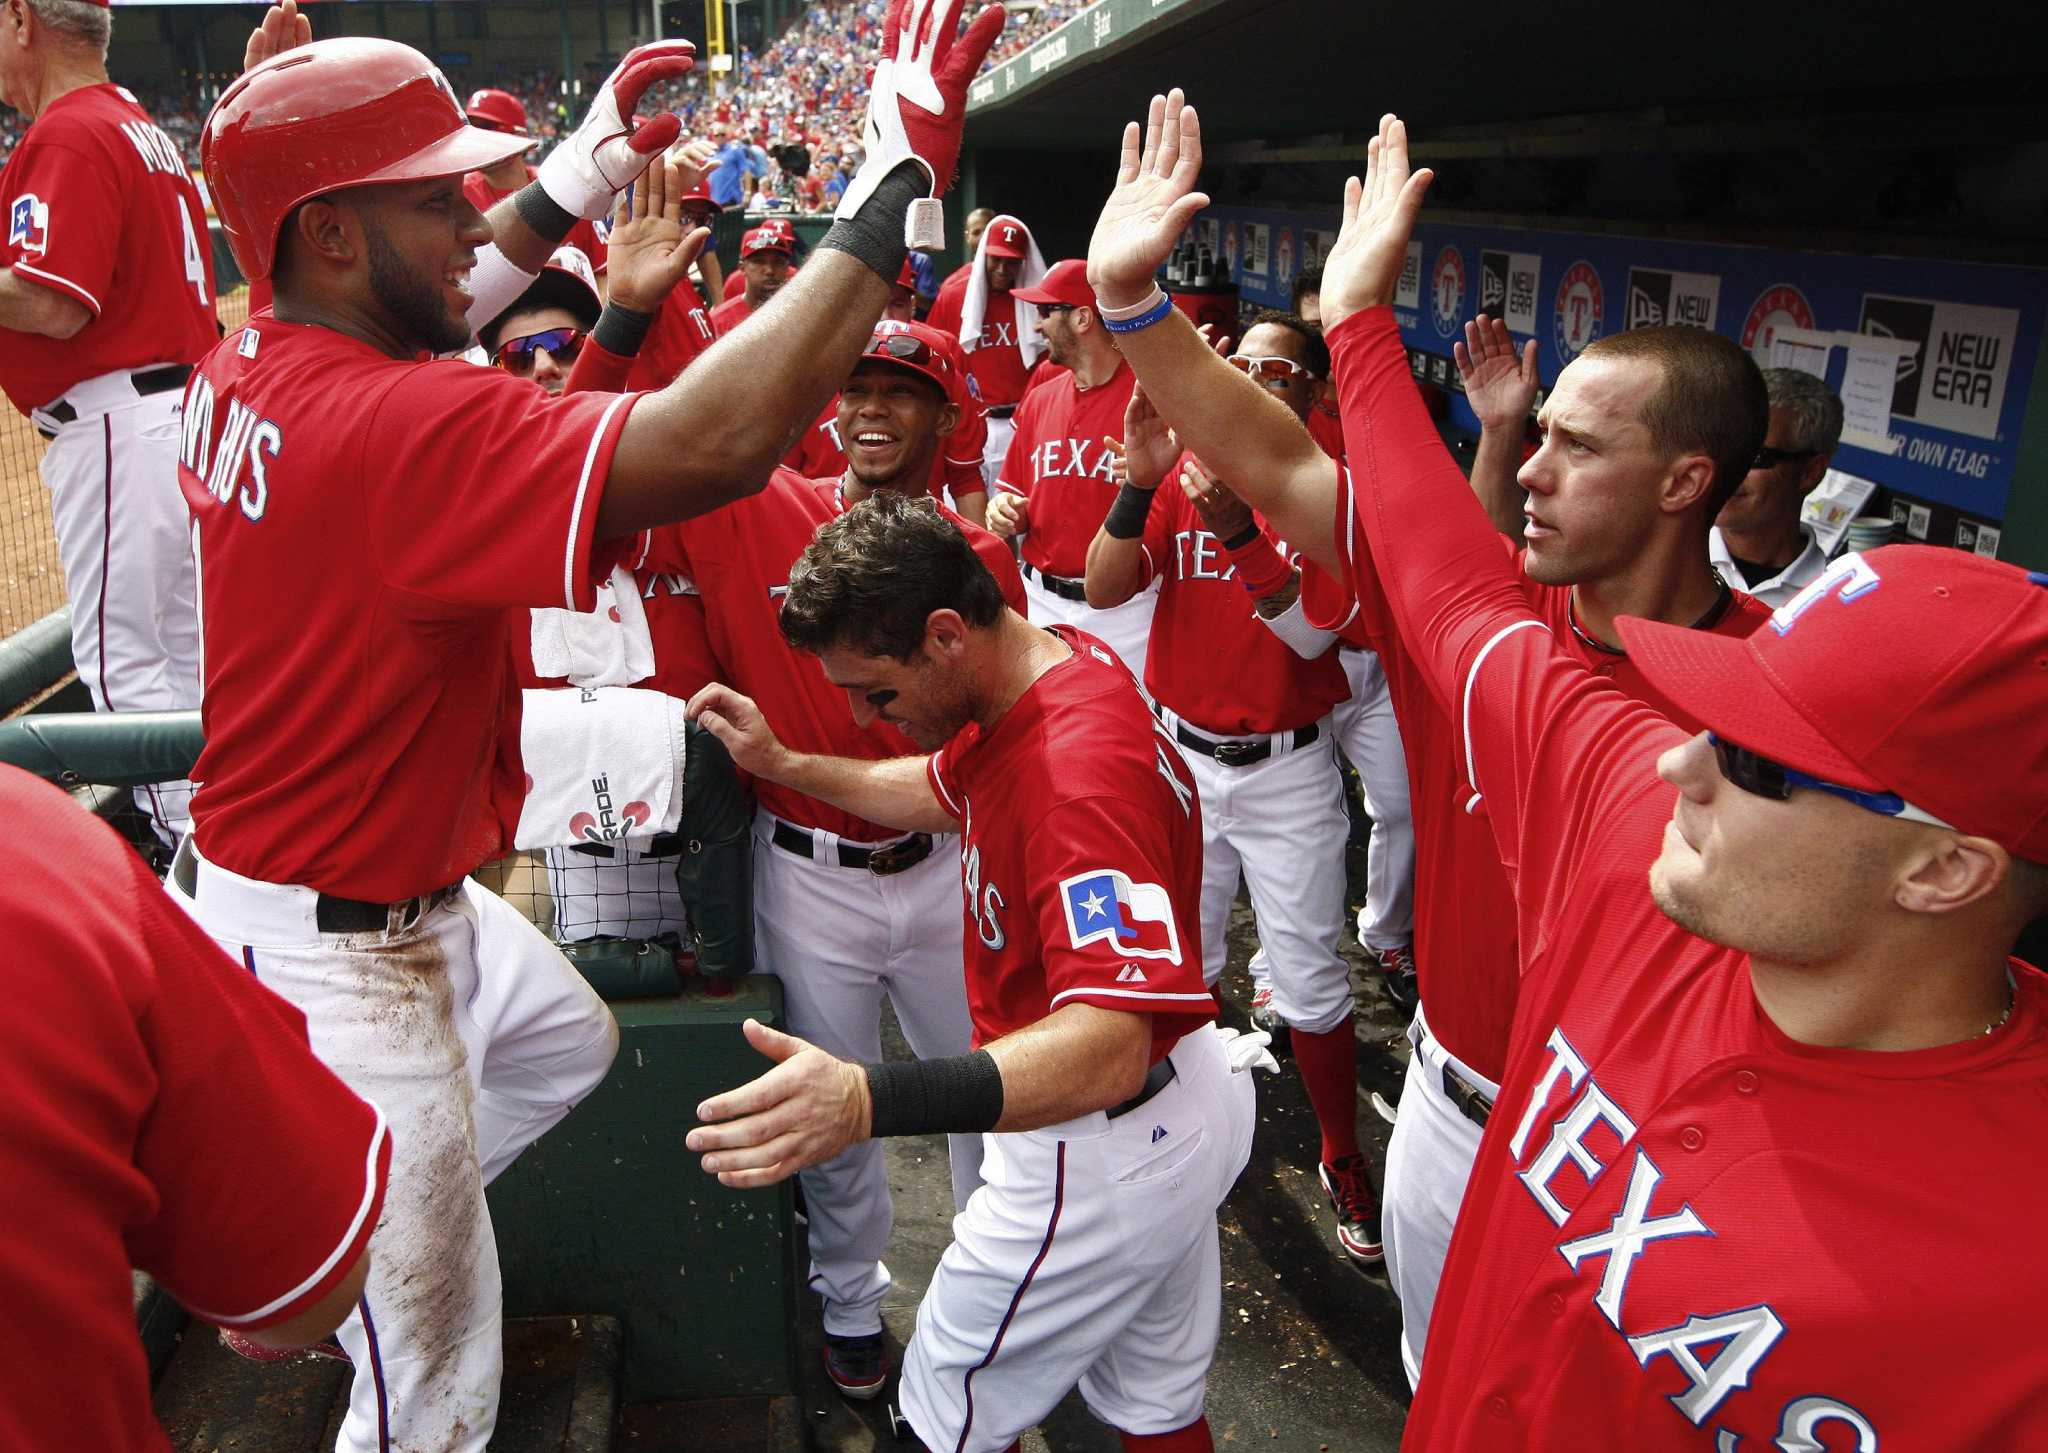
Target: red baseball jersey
point(101, 209)
point(739, 558)
point(1684, 1231)
point(1466, 957)
point(729, 314)
point(996, 362)
point(1058, 462)
point(681, 331)
point(586, 236)
point(1326, 428)
point(365, 525)
point(164, 1111)
point(1080, 854)
point(1210, 659)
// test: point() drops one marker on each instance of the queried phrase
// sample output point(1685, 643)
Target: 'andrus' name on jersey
point(231, 462)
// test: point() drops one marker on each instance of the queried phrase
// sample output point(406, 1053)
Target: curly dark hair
point(870, 579)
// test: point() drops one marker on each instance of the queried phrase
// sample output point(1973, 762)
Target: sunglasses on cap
point(904, 347)
point(1760, 776)
point(515, 355)
point(1268, 370)
point(1772, 458)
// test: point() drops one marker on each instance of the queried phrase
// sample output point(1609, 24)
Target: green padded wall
point(609, 1213)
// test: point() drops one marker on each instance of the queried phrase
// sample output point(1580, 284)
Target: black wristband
point(621, 330)
point(875, 233)
point(1126, 517)
point(542, 213)
point(956, 1096)
point(1243, 537)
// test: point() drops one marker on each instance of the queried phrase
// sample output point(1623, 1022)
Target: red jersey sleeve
point(598, 370)
point(960, 452)
point(1101, 882)
point(64, 208)
point(491, 493)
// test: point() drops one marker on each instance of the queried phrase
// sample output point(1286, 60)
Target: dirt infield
point(31, 580)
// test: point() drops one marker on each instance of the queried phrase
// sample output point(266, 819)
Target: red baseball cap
point(1006, 237)
point(925, 352)
point(1066, 281)
point(1896, 671)
point(774, 235)
point(908, 277)
point(501, 109)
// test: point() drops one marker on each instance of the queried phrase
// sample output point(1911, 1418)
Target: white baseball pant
point(1429, 1162)
point(1371, 740)
point(124, 538)
point(1089, 1257)
point(1126, 629)
point(841, 938)
point(475, 1036)
point(1280, 824)
point(1000, 433)
point(619, 891)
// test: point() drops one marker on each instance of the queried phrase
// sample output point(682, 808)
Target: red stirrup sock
point(1194, 1438)
point(1329, 1071)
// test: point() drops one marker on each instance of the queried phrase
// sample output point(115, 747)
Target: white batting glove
point(917, 102)
point(607, 153)
point(1248, 1051)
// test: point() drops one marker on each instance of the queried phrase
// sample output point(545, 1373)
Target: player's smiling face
point(420, 247)
point(890, 421)
point(922, 698)
point(1594, 484)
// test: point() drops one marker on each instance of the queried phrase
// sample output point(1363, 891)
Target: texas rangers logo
point(1580, 310)
point(1134, 918)
point(28, 225)
point(1778, 306)
point(1447, 291)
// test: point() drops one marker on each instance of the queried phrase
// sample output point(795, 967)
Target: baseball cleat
point(858, 1366)
point(1357, 1208)
point(1264, 1016)
point(1397, 970)
point(242, 1346)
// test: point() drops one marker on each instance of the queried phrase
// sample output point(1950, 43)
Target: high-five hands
point(608, 152)
point(1361, 270)
point(281, 29)
point(650, 252)
point(1154, 200)
point(1148, 447)
point(1500, 385)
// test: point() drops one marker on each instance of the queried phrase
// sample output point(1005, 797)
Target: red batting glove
point(917, 101)
point(607, 153)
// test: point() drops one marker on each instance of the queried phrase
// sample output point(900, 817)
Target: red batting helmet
point(497, 108)
point(337, 113)
point(916, 348)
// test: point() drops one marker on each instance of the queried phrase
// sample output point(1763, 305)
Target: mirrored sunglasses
point(516, 355)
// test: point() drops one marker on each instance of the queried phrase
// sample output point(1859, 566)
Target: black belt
point(330, 914)
point(662, 845)
point(1058, 584)
point(880, 861)
point(1472, 1102)
point(1156, 1079)
point(999, 411)
point(149, 381)
point(1243, 754)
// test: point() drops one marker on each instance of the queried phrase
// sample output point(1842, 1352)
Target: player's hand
point(603, 156)
point(1008, 514)
point(1364, 266)
point(281, 29)
point(1208, 332)
point(917, 101)
point(1154, 201)
point(740, 726)
point(809, 1108)
point(1148, 448)
point(650, 252)
point(692, 160)
point(1500, 385)
point(1223, 513)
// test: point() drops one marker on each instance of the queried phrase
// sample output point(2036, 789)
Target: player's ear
point(949, 420)
point(1690, 481)
point(945, 633)
point(322, 229)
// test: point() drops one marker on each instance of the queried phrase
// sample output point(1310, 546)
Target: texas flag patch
point(1134, 918)
point(28, 225)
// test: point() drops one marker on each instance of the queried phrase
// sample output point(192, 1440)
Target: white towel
point(603, 764)
point(608, 646)
point(974, 307)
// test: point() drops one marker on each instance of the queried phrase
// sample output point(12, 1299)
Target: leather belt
point(662, 845)
point(1156, 1079)
point(1239, 753)
point(1472, 1102)
point(330, 913)
point(149, 381)
point(1058, 584)
point(882, 861)
point(999, 411)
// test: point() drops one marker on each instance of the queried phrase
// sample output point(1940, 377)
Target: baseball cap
point(908, 277)
point(774, 235)
point(1065, 282)
point(566, 281)
point(1006, 237)
point(916, 347)
point(497, 108)
point(1898, 671)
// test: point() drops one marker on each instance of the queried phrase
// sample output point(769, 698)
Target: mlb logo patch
point(28, 225)
point(1105, 906)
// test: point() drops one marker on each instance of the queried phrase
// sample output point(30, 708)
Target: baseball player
point(1060, 474)
point(766, 252)
point(1774, 1002)
point(1090, 1255)
point(164, 1112)
point(504, 114)
point(106, 302)
point(364, 745)
point(971, 227)
point(541, 334)
point(979, 306)
point(846, 909)
point(1595, 548)
point(1258, 736)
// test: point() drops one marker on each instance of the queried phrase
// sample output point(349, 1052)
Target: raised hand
point(1149, 448)
point(281, 28)
point(1363, 267)
point(692, 160)
point(808, 1108)
point(603, 156)
point(1153, 202)
point(1499, 384)
point(650, 252)
point(1223, 514)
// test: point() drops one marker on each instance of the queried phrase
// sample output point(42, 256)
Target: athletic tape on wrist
point(959, 1095)
point(1126, 517)
point(621, 330)
point(548, 218)
point(875, 233)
